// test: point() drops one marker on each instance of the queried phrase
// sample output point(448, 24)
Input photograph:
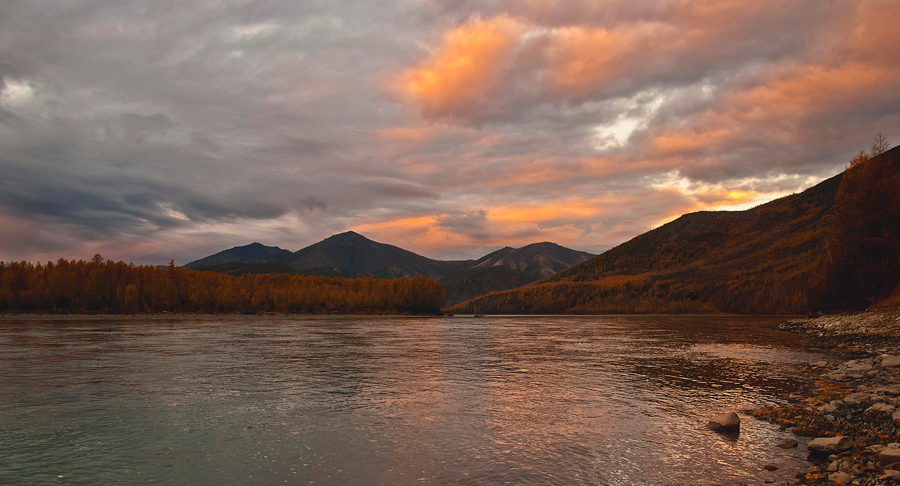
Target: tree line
point(99, 286)
point(864, 241)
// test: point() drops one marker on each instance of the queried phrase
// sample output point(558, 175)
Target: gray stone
point(881, 407)
point(830, 444)
point(856, 366)
point(857, 398)
point(829, 407)
point(788, 444)
point(726, 422)
point(892, 390)
point(890, 475)
point(889, 455)
point(890, 362)
point(839, 477)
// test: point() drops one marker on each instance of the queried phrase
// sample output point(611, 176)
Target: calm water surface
point(392, 400)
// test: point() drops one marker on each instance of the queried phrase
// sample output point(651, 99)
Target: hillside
point(772, 259)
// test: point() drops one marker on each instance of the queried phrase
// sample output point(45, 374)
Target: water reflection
point(337, 400)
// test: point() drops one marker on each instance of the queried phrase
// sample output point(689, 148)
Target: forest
point(99, 286)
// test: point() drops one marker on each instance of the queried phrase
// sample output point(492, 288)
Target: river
point(606, 400)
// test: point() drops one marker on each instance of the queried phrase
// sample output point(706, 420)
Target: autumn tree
point(865, 231)
point(879, 145)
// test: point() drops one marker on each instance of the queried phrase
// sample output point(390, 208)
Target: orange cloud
point(816, 89)
point(407, 134)
point(585, 59)
point(687, 141)
point(569, 210)
point(464, 68)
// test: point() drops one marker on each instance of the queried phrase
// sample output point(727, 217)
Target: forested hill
point(808, 251)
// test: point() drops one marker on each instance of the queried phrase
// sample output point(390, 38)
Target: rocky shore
point(849, 415)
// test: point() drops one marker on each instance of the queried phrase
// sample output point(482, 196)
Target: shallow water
point(608, 400)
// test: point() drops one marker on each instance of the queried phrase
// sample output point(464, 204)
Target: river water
point(607, 400)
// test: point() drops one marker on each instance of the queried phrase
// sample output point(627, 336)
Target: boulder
point(890, 362)
point(830, 444)
point(725, 423)
point(889, 455)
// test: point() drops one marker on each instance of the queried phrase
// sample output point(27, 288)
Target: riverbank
point(855, 395)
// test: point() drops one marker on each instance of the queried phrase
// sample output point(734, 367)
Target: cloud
point(150, 131)
point(473, 224)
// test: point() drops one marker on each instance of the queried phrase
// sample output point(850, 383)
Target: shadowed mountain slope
point(353, 255)
point(252, 253)
point(834, 246)
point(508, 268)
point(763, 260)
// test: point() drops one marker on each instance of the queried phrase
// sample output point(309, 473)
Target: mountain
point(762, 260)
point(353, 255)
point(252, 253)
point(509, 268)
point(781, 257)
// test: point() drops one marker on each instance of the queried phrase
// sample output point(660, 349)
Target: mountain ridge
point(776, 258)
point(352, 255)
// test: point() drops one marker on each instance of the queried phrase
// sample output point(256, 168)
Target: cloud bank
point(149, 131)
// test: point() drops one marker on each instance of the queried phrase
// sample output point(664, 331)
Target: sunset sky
point(154, 130)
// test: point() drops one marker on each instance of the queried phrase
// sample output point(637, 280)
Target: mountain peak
point(252, 253)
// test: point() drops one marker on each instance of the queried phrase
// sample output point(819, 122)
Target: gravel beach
point(848, 418)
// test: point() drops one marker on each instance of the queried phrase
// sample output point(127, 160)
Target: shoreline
point(856, 395)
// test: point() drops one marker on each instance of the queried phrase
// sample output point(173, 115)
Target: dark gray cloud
point(150, 130)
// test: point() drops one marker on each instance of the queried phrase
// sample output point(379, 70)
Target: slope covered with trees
point(352, 255)
point(117, 287)
point(833, 246)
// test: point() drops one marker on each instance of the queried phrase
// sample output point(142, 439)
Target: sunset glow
point(173, 132)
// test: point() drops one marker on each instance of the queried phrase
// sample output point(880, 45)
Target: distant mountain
point(252, 253)
point(352, 255)
point(773, 259)
point(509, 268)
